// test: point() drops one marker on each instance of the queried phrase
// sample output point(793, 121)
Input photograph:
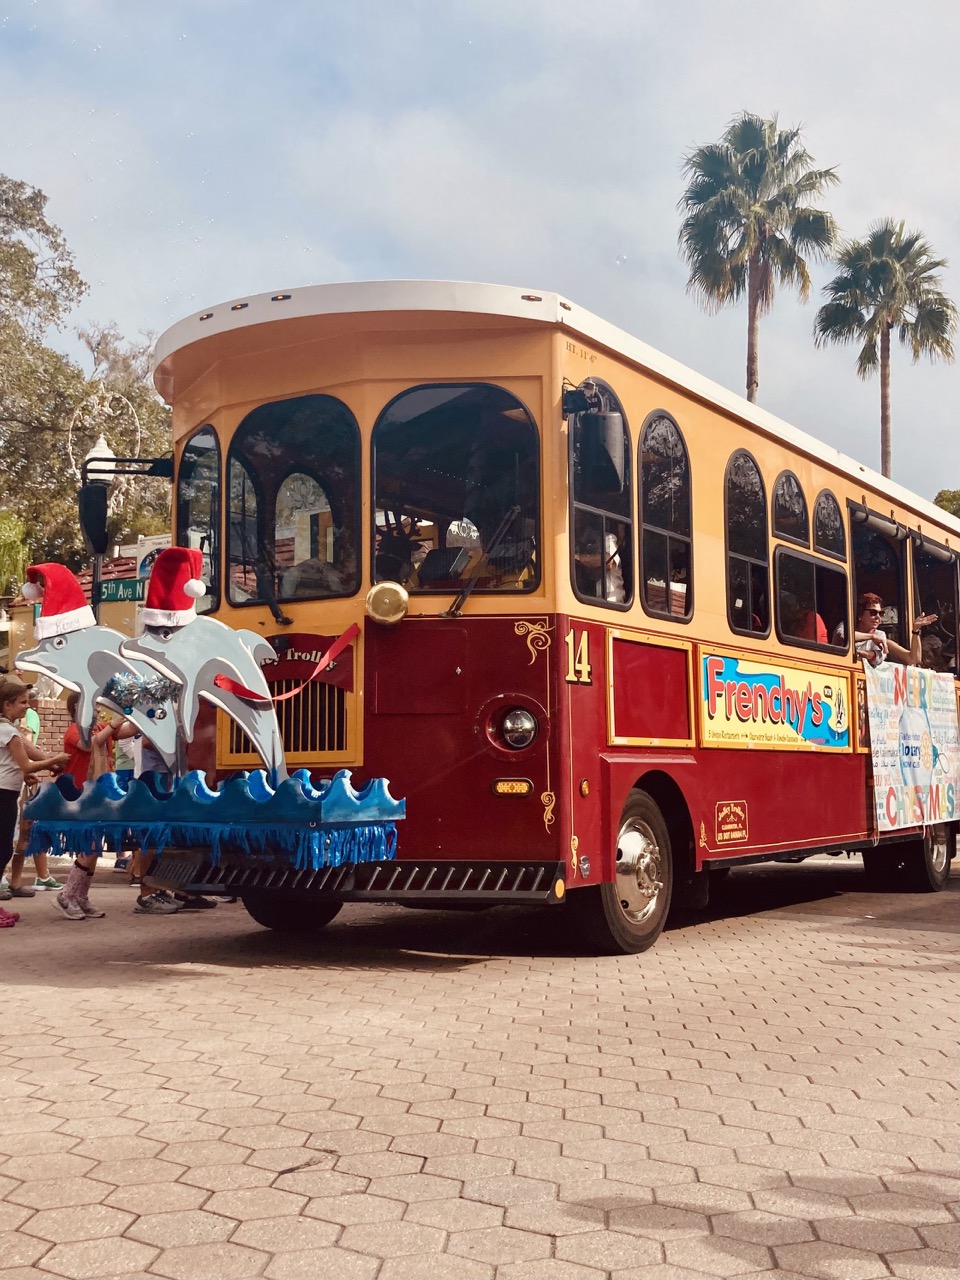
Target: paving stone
point(659, 1222)
point(181, 1227)
point(909, 1210)
point(454, 1215)
point(718, 1256)
point(255, 1202)
point(19, 1250)
point(447, 1265)
point(88, 1259)
point(287, 1233)
point(607, 1250)
point(157, 1197)
point(827, 1261)
point(924, 1264)
point(499, 1245)
point(60, 1191)
point(390, 1239)
point(322, 1264)
point(210, 1262)
point(85, 1222)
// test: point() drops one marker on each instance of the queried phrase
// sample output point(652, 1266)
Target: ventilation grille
point(313, 722)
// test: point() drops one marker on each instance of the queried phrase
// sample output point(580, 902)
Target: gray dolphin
point(84, 661)
point(194, 655)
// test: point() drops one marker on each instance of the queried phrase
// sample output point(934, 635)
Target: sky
point(196, 151)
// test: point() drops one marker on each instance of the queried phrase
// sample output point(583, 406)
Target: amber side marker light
point(513, 787)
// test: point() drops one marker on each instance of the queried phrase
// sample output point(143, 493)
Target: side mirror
point(602, 450)
point(92, 504)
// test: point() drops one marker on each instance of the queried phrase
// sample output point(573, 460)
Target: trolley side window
point(811, 602)
point(879, 568)
point(198, 508)
point(935, 591)
point(666, 548)
point(293, 473)
point(602, 498)
point(456, 480)
point(748, 555)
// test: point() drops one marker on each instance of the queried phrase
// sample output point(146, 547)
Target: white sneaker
point(67, 908)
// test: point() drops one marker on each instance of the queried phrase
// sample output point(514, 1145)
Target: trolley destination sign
point(122, 589)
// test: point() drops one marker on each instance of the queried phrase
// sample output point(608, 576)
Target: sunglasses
point(877, 613)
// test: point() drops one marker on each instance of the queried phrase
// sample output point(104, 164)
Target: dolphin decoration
point(209, 660)
point(85, 661)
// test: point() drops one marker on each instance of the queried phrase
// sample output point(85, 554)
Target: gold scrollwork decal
point(574, 860)
point(703, 837)
point(538, 637)
point(549, 801)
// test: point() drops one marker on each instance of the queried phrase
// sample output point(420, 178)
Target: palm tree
point(888, 281)
point(750, 218)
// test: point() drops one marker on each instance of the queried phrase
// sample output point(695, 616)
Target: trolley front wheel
point(291, 914)
point(628, 915)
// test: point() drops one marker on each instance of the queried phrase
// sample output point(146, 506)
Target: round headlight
point(519, 728)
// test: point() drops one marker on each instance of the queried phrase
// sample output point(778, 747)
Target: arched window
point(602, 499)
point(790, 519)
point(198, 508)
point(666, 547)
point(456, 483)
point(828, 533)
point(293, 474)
point(748, 555)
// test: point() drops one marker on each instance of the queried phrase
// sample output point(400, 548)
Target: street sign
point(120, 589)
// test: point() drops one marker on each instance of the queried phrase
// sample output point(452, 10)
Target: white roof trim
point(525, 304)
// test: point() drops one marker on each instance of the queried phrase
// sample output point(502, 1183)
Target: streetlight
point(96, 476)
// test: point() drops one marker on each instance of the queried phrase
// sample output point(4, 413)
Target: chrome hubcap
point(939, 851)
point(639, 882)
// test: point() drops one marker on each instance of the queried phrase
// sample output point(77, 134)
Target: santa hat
point(174, 588)
point(64, 607)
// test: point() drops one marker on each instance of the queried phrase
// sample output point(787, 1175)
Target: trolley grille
point(312, 722)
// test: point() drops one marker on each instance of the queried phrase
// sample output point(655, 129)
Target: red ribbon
point(241, 691)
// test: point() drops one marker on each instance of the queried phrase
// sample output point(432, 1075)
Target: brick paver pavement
point(430, 1095)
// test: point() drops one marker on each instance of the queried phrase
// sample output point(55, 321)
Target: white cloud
point(195, 152)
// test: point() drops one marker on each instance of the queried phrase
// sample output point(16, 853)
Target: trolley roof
point(527, 305)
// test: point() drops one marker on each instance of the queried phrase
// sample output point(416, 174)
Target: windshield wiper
point(499, 534)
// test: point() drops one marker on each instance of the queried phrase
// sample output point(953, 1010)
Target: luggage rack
point(192, 871)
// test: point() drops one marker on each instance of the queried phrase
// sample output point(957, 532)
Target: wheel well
point(671, 803)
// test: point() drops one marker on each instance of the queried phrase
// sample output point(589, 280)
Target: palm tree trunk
point(886, 451)
point(753, 328)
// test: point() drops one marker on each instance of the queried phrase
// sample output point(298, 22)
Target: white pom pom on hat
point(194, 587)
point(32, 591)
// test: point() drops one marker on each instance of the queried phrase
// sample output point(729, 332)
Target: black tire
point(921, 865)
point(290, 914)
point(627, 916)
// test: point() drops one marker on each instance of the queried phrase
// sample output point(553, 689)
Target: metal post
point(95, 586)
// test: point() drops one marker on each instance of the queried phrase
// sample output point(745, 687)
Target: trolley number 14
point(578, 657)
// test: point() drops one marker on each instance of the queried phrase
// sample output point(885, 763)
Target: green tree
point(889, 281)
point(949, 500)
point(749, 217)
point(51, 412)
point(12, 551)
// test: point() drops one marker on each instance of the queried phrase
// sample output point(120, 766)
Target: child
point(18, 759)
point(83, 764)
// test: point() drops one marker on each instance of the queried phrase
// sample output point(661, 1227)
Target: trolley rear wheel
point(920, 865)
point(290, 914)
point(627, 916)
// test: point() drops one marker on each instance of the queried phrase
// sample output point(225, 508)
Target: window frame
point(728, 554)
point(799, 642)
point(686, 618)
point(893, 531)
point(215, 591)
point(536, 581)
point(843, 556)
point(629, 589)
point(777, 533)
point(256, 480)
